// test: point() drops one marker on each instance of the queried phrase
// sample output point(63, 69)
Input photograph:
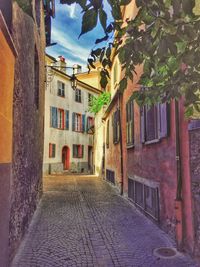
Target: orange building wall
point(6, 99)
point(7, 56)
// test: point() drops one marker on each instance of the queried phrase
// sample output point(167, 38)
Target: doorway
point(90, 159)
point(66, 157)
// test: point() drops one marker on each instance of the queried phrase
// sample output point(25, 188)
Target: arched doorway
point(66, 157)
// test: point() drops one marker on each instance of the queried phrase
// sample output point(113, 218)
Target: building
point(69, 126)
point(151, 156)
point(22, 39)
point(8, 54)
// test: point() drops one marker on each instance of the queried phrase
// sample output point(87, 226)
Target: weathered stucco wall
point(28, 123)
point(7, 56)
point(195, 179)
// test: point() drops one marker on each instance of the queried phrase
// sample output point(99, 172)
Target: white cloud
point(67, 10)
point(65, 41)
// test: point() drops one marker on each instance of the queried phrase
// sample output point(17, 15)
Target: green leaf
point(103, 18)
point(89, 21)
point(124, 2)
point(104, 81)
point(82, 3)
point(91, 62)
point(68, 2)
point(108, 52)
point(123, 84)
point(138, 3)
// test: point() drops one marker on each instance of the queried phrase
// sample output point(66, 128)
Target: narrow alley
point(82, 221)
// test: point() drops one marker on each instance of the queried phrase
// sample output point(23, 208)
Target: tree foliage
point(97, 103)
point(164, 36)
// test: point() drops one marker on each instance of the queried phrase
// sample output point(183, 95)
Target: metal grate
point(110, 176)
point(146, 197)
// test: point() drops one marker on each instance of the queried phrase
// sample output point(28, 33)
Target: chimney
point(61, 64)
point(78, 68)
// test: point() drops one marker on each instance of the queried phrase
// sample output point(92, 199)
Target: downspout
point(178, 200)
point(121, 144)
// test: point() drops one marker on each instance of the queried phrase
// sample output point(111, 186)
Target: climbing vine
point(97, 103)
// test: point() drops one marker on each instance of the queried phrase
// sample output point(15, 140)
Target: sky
point(66, 27)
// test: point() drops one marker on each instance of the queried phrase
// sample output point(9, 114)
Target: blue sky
point(66, 27)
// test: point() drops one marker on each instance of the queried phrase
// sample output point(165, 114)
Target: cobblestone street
point(82, 221)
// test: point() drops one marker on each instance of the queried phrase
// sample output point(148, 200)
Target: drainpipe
point(121, 144)
point(178, 200)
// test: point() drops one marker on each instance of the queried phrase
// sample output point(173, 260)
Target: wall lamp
point(50, 69)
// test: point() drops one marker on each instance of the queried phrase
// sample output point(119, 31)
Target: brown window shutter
point(142, 124)
point(164, 124)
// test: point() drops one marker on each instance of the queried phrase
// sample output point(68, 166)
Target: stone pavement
point(82, 221)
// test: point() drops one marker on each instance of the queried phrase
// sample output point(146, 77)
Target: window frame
point(60, 89)
point(116, 126)
point(78, 151)
point(130, 129)
point(52, 150)
point(78, 95)
point(162, 123)
point(107, 134)
point(61, 119)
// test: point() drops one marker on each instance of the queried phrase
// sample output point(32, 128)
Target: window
point(107, 134)
point(61, 89)
point(90, 123)
point(194, 124)
point(78, 95)
point(154, 123)
point(52, 150)
point(89, 99)
point(78, 122)
point(130, 123)
point(144, 196)
point(59, 118)
point(78, 151)
point(116, 126)
point(110, 176)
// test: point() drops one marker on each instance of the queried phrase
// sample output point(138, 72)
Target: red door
point(66, 157)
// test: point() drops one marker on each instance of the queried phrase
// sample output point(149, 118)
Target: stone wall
point(195, 179)
point(28, 113)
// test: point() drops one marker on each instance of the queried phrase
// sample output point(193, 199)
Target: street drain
point(165, 252)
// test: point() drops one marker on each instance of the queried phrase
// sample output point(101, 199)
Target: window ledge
point(130, 146)
point(152, 142)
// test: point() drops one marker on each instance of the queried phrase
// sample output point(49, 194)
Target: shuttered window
point(67, 119)
point(78, 151)
point(78, 122)
point(107, 134)
point(90, 96)
point(61, 121)
point(61, 89)
point(144, 196)
point(116, 125)
point(59, 118)
point(78, 95)
point(130, 123)
point(52, 150)
point(90, 123)
point(154, 122)
point(194, 124)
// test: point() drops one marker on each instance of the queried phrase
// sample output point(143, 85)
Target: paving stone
point(81, 221)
